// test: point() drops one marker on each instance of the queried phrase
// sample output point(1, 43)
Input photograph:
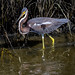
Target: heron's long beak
point(20, 16)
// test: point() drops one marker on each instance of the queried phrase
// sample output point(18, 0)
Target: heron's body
point(45, 25)
point(40, 25)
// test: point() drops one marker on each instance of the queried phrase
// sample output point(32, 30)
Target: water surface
point(58, 62)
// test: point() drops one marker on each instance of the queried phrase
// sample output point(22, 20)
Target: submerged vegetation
point(10, 11)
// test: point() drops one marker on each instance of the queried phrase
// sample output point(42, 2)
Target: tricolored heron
point(40, 25)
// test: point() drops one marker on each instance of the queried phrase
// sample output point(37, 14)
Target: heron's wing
point(45, 24)
point(39, 20)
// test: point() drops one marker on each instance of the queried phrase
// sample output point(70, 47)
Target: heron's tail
point(64, 20)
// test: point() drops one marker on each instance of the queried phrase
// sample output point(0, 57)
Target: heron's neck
point(21, 22)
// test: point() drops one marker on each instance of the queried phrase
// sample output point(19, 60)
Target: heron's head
point(24, 12)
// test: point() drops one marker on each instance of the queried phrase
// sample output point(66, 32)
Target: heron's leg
point(51, 39)
point(43, 41)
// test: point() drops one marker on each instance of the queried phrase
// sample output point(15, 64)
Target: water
point(58, 62)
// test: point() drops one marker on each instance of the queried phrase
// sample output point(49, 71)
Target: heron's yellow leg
point(43, 41)
point(52, 40)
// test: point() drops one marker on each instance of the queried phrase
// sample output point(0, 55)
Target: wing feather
point(45, 24)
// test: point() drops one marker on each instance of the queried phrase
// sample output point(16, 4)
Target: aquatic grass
point(45, 8)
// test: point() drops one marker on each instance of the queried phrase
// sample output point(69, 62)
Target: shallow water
point(61, 61)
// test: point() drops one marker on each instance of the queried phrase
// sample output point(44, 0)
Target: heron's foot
point(43, 48)
point(5, 51)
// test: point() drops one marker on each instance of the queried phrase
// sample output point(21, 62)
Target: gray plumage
point(44, 25)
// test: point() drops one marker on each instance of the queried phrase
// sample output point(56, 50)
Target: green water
point(58, 62)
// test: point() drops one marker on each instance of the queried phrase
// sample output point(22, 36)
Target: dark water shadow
point(18, 44)
point(32, 43)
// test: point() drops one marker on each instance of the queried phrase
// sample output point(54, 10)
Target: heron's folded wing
point(45, 24)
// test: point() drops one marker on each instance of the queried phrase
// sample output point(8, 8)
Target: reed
point(11, 9)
